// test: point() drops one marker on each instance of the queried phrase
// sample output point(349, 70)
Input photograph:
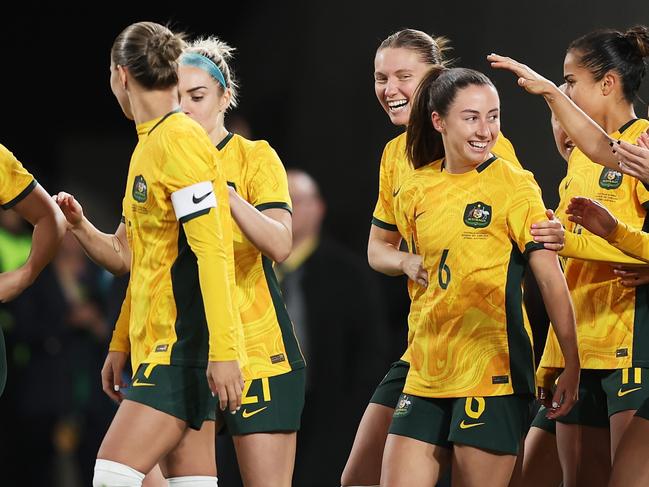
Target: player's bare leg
point(266, 459)
point(584, 455)
point(408, 462)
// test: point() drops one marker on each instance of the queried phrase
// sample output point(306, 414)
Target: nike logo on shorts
point(621, 393)
point(464, 425)
point(137, 383)
point(245, 414)
point(196, 200)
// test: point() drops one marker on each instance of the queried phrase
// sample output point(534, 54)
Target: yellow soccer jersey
point(256, 173)
point(15, 182)
point(179, 307)
point(395, 169)
point(631, 241)
point(612, 320)
point(473, 233)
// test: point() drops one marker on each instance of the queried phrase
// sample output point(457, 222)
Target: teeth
point(478, 145)
point(397, 104)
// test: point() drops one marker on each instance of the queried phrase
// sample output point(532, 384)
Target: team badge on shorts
point(477, 215)
point(139, 189)
point(403, 406)
point(610, 178)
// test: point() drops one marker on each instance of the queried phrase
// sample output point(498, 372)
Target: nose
point(482, 130)
point(391, 87)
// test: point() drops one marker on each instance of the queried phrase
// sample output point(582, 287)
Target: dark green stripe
point(531, 247)
point(122, 219)
point(191, 216)
point(222, 144)
point(278, 204)
point(384, 225)
point(521, 354)
point(192, 346)
point(627, 125)
point(23, 194)
point(640, 356)
point(177, 110)
point(294, 355)
point(486, 164)
point(232, 184)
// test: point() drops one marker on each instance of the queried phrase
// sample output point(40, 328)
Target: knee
point(113, 474)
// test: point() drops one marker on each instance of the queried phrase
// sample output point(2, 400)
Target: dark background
point(307, 86)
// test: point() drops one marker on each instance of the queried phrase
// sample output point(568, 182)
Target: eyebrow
point(468, 110)
point(191, 90)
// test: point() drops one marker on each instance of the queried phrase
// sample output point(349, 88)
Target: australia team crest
point(477, 215)
point(403, 406)
point(139, 189)
point(610, 178)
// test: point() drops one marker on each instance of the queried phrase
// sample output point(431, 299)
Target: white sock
point(194, 481)
point(113, 474)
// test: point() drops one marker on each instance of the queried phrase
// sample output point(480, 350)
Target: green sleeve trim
point(23, 194)
point(232, 184)
point(384, 225)
point(122, 219)
point(275, 204)
point(196, 214)
point(531, 247)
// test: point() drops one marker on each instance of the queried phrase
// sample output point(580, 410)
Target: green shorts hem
point(390, 388)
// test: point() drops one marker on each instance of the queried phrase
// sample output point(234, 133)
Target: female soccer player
point(177, 318)
point(264, 432)
point(603, 71)
point(401, 62)
point(471, 377)
point(20, 191)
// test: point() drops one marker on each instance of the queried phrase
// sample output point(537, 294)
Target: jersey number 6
point(444, 272)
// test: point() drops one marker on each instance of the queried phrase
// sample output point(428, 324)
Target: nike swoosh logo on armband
point(196, 200)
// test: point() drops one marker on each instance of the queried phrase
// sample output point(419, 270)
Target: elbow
point(279, 253)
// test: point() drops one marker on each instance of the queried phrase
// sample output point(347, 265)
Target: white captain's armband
point(193, 201)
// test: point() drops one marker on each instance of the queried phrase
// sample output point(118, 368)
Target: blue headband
point(204, 63)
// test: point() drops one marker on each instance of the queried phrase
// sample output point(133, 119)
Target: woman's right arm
point(110, 251)
point(384, 256)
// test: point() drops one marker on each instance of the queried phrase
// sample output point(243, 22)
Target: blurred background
point(306, 75)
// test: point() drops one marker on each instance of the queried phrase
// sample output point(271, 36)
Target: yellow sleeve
point(383, 215)
point(268, 186)
point(526, 208)
point(405, 209)
point(504, 149)
point(209, 234)
point(594, 248)
point(120, 341)
point(546, 377)
point(15, 182)
point(633, 242)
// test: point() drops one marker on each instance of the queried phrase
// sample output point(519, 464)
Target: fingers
point(549, 213)
point(234, 397)
point(107, 383)
point(422, 277)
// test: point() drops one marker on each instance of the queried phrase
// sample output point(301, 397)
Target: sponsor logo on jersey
point(610, 178)
point(276, 359)
point(477, 215)
point(500, 379)
point(403, 406)
point(162, 348)
point(139, 189)
point(622, 352)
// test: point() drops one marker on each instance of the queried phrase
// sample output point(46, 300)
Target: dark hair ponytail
point(607, 50)
point(435, 93)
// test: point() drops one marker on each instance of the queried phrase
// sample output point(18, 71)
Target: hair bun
point(638, 36)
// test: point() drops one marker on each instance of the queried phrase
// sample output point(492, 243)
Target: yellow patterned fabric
point(15, 181)
point(256, 173)
point(394, 170)
point(179, 306)
point(612, 320)
point(473, 233)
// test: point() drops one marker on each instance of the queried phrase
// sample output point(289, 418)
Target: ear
point(123, 78)
point(438, 122)
point(609, 82)
point(224, 103)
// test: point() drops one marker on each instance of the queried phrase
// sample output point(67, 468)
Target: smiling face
point(201, 97)
point(397, 73)
point(471, 126)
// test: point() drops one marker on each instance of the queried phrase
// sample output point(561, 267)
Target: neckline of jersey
point(481, 167)
point(225, 140)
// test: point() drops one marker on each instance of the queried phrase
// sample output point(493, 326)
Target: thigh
point(630, 468)
point(409, 462)
point(583, 454)
point(364, 463)
point(471, 466)
point(591, 408)
point(619, 424)
point(139, 436)
point(195, 454)
point(538, 463)
point(266, 459)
